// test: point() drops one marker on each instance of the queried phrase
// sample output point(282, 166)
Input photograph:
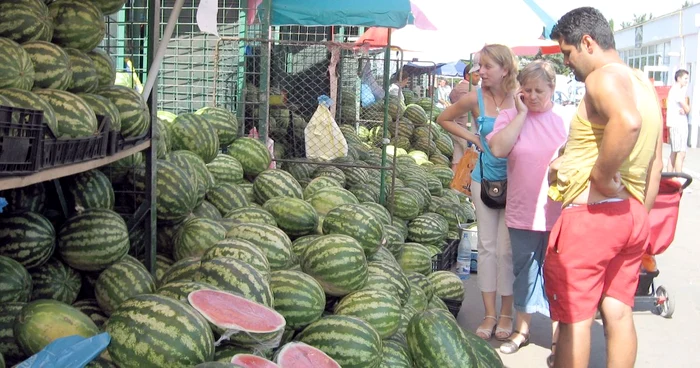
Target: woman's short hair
point(506, 59)
point(539, 70)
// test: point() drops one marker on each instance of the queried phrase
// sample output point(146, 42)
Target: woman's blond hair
point(506, 59)
point(539, 70)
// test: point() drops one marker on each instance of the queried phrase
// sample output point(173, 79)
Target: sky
point(618, 10)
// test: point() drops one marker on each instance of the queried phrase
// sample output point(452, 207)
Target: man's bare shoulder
point(607, 81)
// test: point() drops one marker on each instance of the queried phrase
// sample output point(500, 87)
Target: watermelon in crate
point(133, 110)
point(17, 67)
point(104, 107)
point(77, 24)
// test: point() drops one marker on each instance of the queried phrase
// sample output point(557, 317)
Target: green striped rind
point(104, 66)
point(249, 192)
point(451, 211)
point(163, 263)
point(365, 193)
point(394, 238)
point(16, 283)
point(25, 20)
point(175, 191)
point(182, 270)
point(418, 300)
point(381, 309)
point(485, 355)
point(235, 276)
point(252, 154)
point(445, 175)
point(299, 244)
point(446, 285)
point(415, 257)
point(77, 24)
point(42, 321)
point(326, 199)
point(273, 183)
point(195, 168)
point(226, 169)
point(224, 122)
point(103, 106)
point(271, 240)
point(227, 197)
point(83, 73)
point(27, 237)
point(355, 175)
point(161, 137)
point(242, 250)
point(108, 7)
point(8, 344)
point(357, 221)
point(383, 255)
point(17, 68)
point(294, 216)
point(179, 336)
point(120, 282)
point(165, 233)
point(92, 310)
point(422, 281)
point(428, 228)
point(93, 240)
point(179, 290)
point(381, 213)
point(300, 171)
point(195, 236)
point(434, 185)
point(207, 210)
point(395, 355)
point(101, 362)
point(337, 262)
point(331, 172)
point(438, 159)
point(319, 183)
point(74, 116)
point(51, 65)
point(405, 202)
point(397, 280)
point(435, 341)
point(350, 341)
point(133, 110)
point(437, 303)
point(298, 297)
point(89, 189)
point(252, 214)
point(30, 198)
point(55, 280)
point(194, 133)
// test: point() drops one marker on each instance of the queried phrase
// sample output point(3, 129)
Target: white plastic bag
point(323, 138)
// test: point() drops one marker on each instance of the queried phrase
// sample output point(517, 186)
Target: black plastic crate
point(21, 139)
point(453, 306)
point(447, 259)
point(60, 152)
point(117, 143)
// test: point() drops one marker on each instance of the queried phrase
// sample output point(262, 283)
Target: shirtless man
point(607, 179)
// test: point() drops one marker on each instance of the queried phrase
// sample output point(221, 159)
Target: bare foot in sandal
point(504, 328)
point(487, 327)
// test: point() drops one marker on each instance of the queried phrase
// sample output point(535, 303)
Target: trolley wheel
point(665, 304)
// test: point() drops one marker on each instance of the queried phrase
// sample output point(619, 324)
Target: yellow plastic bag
point(462, 179)
point(323, 138)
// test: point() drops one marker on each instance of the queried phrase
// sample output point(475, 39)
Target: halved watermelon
point(252, 361)
point(248, 323)
point(301, 355)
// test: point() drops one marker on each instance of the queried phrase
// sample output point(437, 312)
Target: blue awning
point(368, 13)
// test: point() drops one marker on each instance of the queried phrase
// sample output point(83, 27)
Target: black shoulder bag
point(493, 192)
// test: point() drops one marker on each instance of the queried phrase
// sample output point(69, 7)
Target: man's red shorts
point(594, 250)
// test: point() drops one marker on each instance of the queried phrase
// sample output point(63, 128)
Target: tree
point(611, 22)
point(637, 19)
point(687, 4)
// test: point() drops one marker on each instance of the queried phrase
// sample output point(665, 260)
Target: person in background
point(677, 110)
point(529, 136)
point(498, 69)
point(442, 94)
point(396, 87)
point(607, 180)
point(469, 83)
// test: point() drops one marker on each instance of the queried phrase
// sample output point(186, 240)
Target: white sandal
point(486, 333)
point(504, 331)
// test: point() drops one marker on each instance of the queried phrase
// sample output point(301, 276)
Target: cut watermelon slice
point(301, 355)
point(252, 361)
point(246, 322)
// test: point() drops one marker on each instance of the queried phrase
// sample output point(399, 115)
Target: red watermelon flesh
point(252, 361)
point(301, 355)
point(233, 312)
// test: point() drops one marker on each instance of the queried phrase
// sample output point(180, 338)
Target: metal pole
point(265, 55)
point(385, 140)
point(163, 45)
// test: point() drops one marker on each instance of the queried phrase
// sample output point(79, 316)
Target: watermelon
point(51, 65)
point(92, 310)
point(436, 340)
point(357, 221)
point(175, 191)
point(445, 174)
point(133, 110)
point(252, 154)
point(75, 118)
point(366, 193)
point(319, 183)
point(194, 133)
point(422, 282)
point(25, 20)
point(395, 355)
point(77, 24)
point(161, 137)
point(300, 243)
point(271, 240)
point(17, 67)
point(437, 303)
point(252, 361)
point(104, 66)
point(300, 171)
point(83, 74)
point(379, 211)
point(226, 169)
point(208, 211)
point(242, 250)
point(337, 262)
point(331, 172)
point(298, 297)
point(235, 276)
point(405, 203)
point(224, 122)
point(251, 323)
point(294, 216)
point(108, 7)
point(350, 341)
point(301, 355)
point(252, 214)
point(8, 344)
point(381, 309)
point(102, 106)
point(55, 280)
point(43, 321)
point(89, 189)
point(165, 233)
point(415, 257)
point(93, 240)
point(418, 300)
point(120, 282)
point(182, 270)
point(485, 355)
point(186, 337)
point(227, 197)
point(326, 199)
point(396, 280)
point(28, 100)
point(276, 183)
point(195, 236)
point(16, 284)
point(179, 290)
point(428, 228)
point(27, 237)
point(446, 285)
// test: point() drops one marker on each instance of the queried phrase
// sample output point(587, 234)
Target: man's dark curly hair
point(584, 21)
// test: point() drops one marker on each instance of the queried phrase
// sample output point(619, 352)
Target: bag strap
point(481, 165)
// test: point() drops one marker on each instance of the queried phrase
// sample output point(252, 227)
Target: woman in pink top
point(529, 136)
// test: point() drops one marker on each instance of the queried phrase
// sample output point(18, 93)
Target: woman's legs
point(504, 254)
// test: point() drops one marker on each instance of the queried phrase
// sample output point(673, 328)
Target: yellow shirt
point(585, 138)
